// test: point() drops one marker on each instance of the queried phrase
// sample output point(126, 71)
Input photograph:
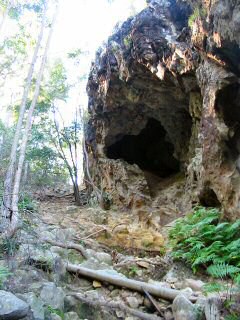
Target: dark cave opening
point(208, 197)
point(150, 150)
point(228, 107)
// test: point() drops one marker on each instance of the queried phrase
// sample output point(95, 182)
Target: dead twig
point(153, 301)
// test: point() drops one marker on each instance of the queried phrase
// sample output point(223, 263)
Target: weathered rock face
point(164, 104)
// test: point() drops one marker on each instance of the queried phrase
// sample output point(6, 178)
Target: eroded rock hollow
point(164, 105)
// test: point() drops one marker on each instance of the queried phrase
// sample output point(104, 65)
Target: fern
point(232, 317)
point(222, 270)
point(212, 287)
point(202, 240)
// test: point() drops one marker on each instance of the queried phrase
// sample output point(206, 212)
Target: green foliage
point(230, 284)
point(202, 239)
point(197, 13)
point(75, 53)
point(8, 246)
point(26, 203)
point(232, 317)
point(58, 312)
point(133, 270)
point(57, 87)
point(222, 270)
point(127, 41)
point(4, 274)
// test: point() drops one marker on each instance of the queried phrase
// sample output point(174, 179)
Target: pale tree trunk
point(8, 182)
point(27, 130)
point(25, 173)
point(4, 17)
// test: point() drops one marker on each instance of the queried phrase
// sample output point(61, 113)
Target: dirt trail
point(112, 228)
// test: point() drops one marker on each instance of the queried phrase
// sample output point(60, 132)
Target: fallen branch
point(70, 245)
point(116, 305)
point(158, 291)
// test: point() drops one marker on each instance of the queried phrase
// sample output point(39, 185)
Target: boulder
point(183, 309)
point(36, 305)
point(53, 296)
point(11, 307)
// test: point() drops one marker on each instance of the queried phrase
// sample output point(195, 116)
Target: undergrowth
point(4, 274)
point(202, 239)
point(205, 241)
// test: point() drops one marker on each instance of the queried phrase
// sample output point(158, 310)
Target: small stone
point(168, 315)
point(171, 280)
point(143, 264)
point(195, 285)
point(104, 257)
point(139, 273)
point(132, 302)
point(147, 303)
point(93, 294)
point(111, 288)
point(120, 314)
point(97, 284)
point(54, 316)
point(71, 316)
point(72, 209)
point(187, 292)
point(114, 293)
point(12, 307)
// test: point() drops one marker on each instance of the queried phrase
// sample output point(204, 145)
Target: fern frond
point(222, 270)
point(212, 287)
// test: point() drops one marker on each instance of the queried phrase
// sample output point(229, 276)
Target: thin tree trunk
point(27, 130)
point(25, 173)
point(71, 169)
point(8, 182)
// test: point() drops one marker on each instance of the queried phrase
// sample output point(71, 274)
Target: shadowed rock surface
point(163, 133)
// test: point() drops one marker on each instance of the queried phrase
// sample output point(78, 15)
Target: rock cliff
point(164, 110)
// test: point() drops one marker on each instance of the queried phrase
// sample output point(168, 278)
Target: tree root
point(70, 245)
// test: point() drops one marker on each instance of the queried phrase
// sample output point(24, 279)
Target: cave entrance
point(150, 150)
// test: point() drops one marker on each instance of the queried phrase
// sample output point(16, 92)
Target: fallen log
point(101, 275)
point(116, 305)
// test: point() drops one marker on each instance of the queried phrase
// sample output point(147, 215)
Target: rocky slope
point(40, 286)
point(164, 126)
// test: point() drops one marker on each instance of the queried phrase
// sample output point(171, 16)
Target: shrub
point(202, 239)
